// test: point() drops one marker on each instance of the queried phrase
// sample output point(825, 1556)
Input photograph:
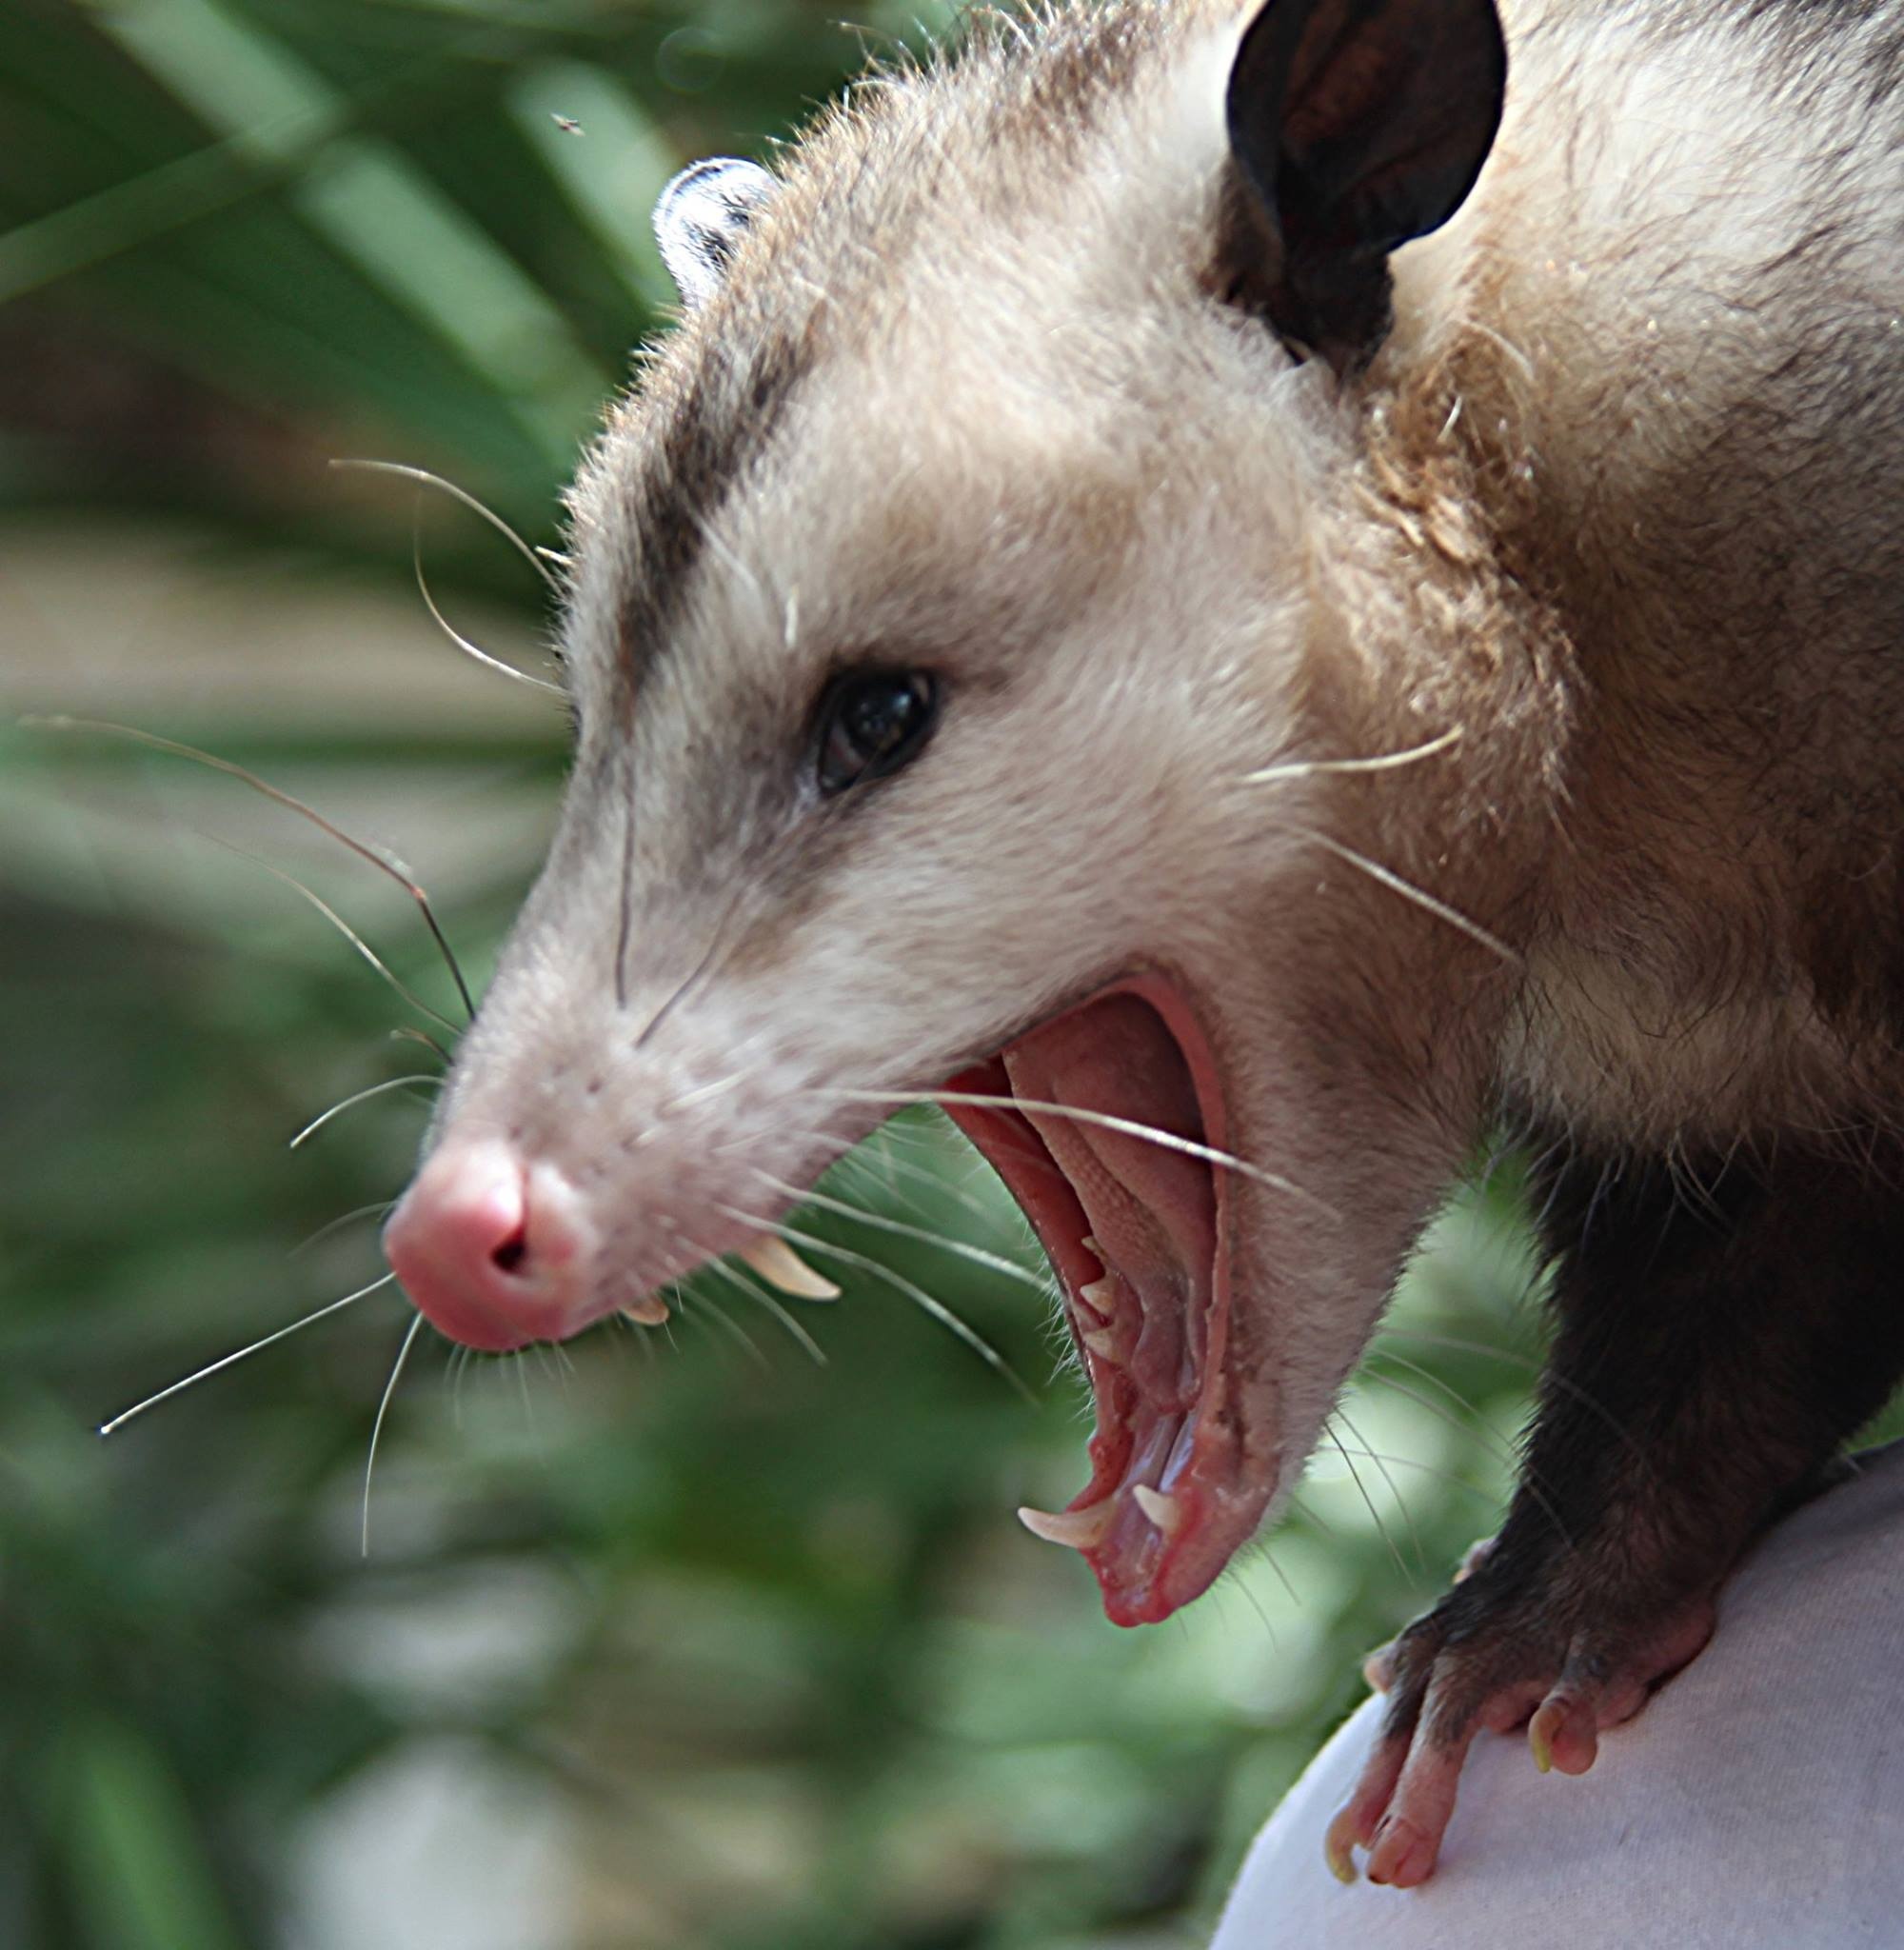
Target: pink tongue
point(1152, 1208)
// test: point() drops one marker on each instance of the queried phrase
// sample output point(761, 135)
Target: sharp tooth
point(1091, 1245)
point(1163, 1511)
point(1101, 1294)
point(780, 1265)
point(1075, 1529)
point(1102, 1343)
point(651, 1310)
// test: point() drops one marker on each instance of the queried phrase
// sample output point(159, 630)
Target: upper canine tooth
point(1101, 1294)
point(651, 1310)
point(780, 1265)
point(1091, 1245)
point(1165, 1511)
point(1102, 1343)
point(1078, 1529)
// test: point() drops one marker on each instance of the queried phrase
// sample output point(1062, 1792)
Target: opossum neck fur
point(1329, 749)
point(1654, 360)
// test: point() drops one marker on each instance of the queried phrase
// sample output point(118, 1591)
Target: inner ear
point(700, 217)
point(1353, 125)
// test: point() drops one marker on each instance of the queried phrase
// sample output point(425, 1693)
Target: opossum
point(1246, 599)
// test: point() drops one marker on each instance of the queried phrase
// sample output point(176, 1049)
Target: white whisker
point(342, 926)
point(1499, 1450)
point(1391, 1330)
point(951, 1155)
point(704, 1311)
point(1592, 1405)
point(1361, 1490)
point(323, 1118)
point(703, 1093)
point(471, 650)
point(426, 479)
point(874, 1155)
point(1387, 877)
point(410, 1333)
point(995, 1262)
point(937, 1309)
point(1255, 1605)
point(885, 1168)
point(1169, 1140)
point(1297, 1507)
point(837, 1147)
point(120, 1420)
point(1477, 1426)
point(407, 1033)
point(454, 1374)
point(1401, 1504)
point(377, 1207)
point(386, 863)
point(1383, 762)
point(1433, 1469)
point(761, 1297)
point(1281, 1577)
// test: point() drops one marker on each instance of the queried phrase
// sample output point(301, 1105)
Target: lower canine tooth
point(651, 1310)
point(780, 1265)
point(1078, 1529)
point(1102, 1343)
point(1163, 1511)
point(1101, 1294)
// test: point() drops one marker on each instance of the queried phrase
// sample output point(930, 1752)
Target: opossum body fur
point(1250, 596)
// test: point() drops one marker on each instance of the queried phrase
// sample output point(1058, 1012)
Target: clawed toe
point(1564, 1734)
point(1445, 1687)
point(1399, 1809)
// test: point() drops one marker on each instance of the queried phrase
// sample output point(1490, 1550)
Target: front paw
point(1496, 1654)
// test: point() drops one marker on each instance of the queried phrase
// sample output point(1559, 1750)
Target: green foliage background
point(752, 1643)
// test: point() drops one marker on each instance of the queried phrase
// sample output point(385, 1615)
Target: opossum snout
point(496, 1249)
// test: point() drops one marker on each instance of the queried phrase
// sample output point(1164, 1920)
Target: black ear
point(1354, 124)
point(700, 216)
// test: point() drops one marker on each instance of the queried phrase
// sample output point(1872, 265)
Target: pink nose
point(493, 1251)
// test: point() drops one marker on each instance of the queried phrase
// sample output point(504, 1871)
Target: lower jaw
point(1167, 1503)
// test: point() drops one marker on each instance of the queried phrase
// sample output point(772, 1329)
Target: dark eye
point(871, 722)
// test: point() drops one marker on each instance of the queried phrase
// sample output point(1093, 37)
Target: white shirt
point(1757, 1804)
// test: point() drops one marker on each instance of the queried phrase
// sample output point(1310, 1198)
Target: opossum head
point(940, 598)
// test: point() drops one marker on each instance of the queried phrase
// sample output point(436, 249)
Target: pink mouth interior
point(1141, 1226)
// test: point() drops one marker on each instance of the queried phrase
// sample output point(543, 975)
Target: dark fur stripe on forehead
point(712, 433)
point(1085, 60)
point(839, 223)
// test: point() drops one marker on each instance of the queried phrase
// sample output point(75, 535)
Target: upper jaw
point(552, 1197)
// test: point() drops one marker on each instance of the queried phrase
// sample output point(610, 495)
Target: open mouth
point(1105, 1126)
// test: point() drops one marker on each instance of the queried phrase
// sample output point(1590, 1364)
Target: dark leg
point(1721, 1333)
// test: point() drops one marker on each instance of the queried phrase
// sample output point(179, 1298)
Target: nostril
point(495, 1247)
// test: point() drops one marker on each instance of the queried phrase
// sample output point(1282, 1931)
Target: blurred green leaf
point(143, 1880)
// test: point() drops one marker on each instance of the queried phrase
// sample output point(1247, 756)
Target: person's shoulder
point(1757, 1802)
